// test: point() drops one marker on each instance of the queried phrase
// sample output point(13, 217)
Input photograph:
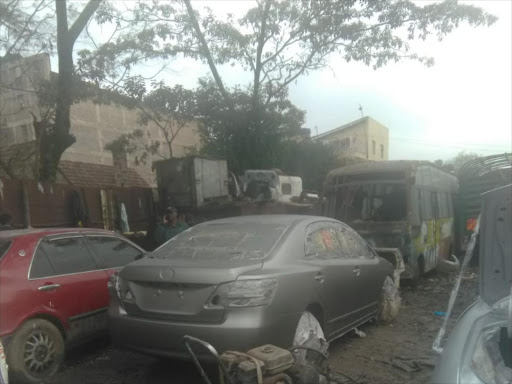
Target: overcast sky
point(461, 103)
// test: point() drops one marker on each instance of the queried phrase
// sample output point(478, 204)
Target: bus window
point(450, 205)
point(415, 207)
point(442, 203)
point(426, 205)
point(435, 205)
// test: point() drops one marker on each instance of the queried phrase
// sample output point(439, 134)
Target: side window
point(68, 255)
point(435, 204)
point(41, 267)
point(114, 251)
point(286, 189)
point(356, 246)
point(426, 205)
point(442, 199)
point(450, 205)
point(322, 241)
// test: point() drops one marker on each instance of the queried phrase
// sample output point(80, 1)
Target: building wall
point(358, 139)
point(93, 125)
point(378, 141)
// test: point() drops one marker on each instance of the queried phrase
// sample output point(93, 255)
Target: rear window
point(4, 247)
point(246, 241)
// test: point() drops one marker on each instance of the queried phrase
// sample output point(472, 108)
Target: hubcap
point(39, 352)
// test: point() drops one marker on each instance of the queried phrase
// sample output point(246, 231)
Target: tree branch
point(207, 53)
point(82, 20)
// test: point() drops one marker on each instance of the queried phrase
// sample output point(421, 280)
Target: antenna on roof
point(361, 110)
point(316, 129)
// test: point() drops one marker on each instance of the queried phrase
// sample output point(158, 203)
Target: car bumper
point(241, 330)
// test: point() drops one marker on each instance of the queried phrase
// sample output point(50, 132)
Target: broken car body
point(397, 204)
point(479, 350)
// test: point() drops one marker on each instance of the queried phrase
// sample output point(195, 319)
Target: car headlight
point(244, 293)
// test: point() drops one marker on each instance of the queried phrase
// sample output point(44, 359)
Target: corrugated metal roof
point(100, 175)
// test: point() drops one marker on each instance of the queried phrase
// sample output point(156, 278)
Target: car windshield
point(247, 241)
point(373, 202)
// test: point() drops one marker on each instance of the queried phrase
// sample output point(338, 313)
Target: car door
point(364, 265)
point(68, 283)
point(335, 281)
point(112, 252)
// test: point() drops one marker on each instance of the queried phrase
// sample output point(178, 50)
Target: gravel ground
point(371, 359)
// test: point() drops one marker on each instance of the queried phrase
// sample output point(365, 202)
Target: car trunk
point(178, 289)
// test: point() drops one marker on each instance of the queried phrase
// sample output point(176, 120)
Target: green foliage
point(246, 139)
point(309, 160)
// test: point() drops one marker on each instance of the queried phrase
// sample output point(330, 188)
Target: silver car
point(479, 350)
point(242, 282)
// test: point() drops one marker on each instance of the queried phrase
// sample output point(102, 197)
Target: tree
point(227, 131)
point(57, 138)
point(28, 28)
point(460, 159)
point(170, 108)
point(277, 42)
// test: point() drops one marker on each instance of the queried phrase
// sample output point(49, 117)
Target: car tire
point(307, 323)
point(35, 352)
point(389, 303)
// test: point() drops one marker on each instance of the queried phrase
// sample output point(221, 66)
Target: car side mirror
point(141, 255)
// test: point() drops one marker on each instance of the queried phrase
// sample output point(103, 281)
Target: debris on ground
point(359, 333)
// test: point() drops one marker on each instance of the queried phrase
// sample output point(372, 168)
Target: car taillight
point(244, 293)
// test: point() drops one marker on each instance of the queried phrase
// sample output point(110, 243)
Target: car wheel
point(307, 323)
point(390, 300)
point(36, 352)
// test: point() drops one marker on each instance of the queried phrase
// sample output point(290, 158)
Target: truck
point(191, 182)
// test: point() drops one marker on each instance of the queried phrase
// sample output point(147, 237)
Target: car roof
point(47, 231)
point(268, 219)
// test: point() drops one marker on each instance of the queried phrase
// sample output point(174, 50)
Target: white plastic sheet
point(307, 323)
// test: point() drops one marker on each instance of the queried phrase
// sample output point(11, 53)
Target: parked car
point(242, 282)
point(479, 349)
point(53, 293)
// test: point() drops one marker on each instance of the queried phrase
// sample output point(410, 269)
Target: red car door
point(69, 284)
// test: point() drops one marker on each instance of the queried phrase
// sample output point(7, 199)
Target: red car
point(53, 293)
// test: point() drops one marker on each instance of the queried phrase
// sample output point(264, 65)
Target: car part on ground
point(269, 364)
point(450, 265)
point(390, 301)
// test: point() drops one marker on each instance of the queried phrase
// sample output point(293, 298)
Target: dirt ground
point(395, 353)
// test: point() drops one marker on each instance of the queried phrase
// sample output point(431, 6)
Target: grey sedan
point(247, 281)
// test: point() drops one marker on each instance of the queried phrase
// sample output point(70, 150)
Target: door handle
point(356, 271)
point(320, 278)
point(49, 287)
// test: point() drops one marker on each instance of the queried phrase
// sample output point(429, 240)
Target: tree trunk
point(55, 140)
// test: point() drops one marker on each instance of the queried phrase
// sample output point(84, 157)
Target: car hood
point(496, 244)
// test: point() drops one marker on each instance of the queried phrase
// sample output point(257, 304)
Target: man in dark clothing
point(170, 227)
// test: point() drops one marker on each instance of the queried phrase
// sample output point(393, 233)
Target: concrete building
point(365, 138)
point(93, 125)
